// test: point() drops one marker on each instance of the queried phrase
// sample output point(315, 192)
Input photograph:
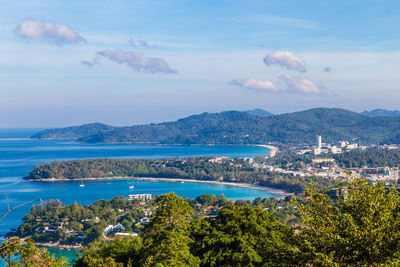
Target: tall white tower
point(318, 141)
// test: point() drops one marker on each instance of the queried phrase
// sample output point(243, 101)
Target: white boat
point(81, 185)
point(131, 187)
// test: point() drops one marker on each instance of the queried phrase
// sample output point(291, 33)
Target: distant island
point(237, 127)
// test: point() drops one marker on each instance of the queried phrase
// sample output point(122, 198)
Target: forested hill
point(259, 112)
point(73, 132)
point(381, 113)
point(235, 127)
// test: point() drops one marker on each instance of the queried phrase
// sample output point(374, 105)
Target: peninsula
point(220, 169)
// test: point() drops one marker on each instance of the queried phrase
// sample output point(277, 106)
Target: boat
point(81, 185)
point(131, 187)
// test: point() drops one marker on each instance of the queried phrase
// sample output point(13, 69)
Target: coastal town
point(321, 162)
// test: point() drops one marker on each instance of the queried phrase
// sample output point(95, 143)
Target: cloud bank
point(254, 84)
point(57, 33)
point(300, 85)
point(286, 60)
point(137, 61)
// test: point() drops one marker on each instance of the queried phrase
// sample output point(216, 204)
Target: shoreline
point(273, 149)
point(275, 191)
point(55, 244)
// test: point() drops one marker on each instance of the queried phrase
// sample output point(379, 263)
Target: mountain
point(259, 112)
point(381, 113)
point(235, 127)
point(73, 132)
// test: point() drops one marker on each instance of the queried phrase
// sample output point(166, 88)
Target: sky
point(127, 62)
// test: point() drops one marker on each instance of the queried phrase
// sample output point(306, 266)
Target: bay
point(19, 155)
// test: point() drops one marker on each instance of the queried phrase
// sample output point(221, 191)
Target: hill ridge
point(240, 127)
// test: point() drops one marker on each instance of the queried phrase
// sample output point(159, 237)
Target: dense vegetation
point(237, 236)
point(381, 113)
point(28, 254)
point(359, 228)
point(79, 225)
point(369, 158)
point(234, 127)
point(73, 132)
point(200, 168)
point(259, 112)
point(75, 224)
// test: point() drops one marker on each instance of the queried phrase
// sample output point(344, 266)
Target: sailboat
point(81, 185)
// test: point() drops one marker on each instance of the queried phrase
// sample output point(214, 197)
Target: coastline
point(55, 244)
point(273, 149)
point(274, 191)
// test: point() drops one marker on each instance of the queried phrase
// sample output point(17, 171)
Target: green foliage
point(242, 236)
point(29, 254)
point(52, 221)
point(361, 229)
point(165, 237)
point(121, 252)
point(369, 158)
point(73, 132)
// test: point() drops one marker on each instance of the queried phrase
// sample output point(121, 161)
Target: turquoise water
point(19, 155)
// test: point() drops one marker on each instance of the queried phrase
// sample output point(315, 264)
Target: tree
point(124, 251)
point(242, 236)
point(166, 238)
point(29, 254)
point(9, 249)
point(361, 228)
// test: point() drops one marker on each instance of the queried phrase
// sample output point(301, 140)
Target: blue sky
point(128, 62)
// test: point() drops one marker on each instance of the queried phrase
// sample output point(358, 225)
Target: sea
point(19, 155)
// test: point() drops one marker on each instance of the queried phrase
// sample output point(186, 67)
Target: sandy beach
point(273, 149)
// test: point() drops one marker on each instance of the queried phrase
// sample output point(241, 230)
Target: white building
point(318, 143)
point(109, 229)
point(140, 196)
point(352, 146)
point(126, 234)
point(317, 151)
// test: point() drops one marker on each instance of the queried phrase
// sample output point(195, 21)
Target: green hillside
point(73, 132)
point(235, 127)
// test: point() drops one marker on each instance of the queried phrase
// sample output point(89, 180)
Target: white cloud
point(254, 84)
point(300, 85)
point(137, 61)
point(57, 33)
point(286, 60)
point(140, 43)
